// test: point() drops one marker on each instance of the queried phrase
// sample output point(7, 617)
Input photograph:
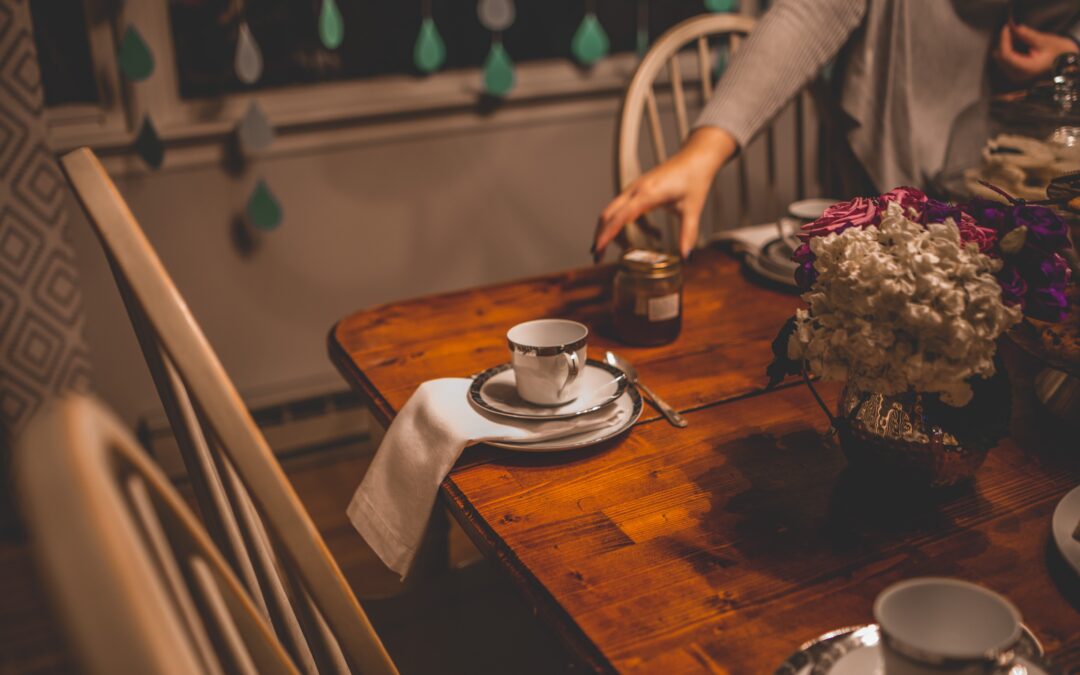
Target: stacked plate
point(856, 651)
point(773, 260)
point(494, 391)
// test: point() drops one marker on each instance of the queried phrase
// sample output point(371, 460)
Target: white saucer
point(629, 402)
point(1066, 519)
point(855, 651)
point(773, 262)
point(809, 209)
point(494, 390)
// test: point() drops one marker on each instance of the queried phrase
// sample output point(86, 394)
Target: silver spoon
point(622, 364)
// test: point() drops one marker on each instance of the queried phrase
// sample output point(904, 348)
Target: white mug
point(932, 625)
point(547, 356)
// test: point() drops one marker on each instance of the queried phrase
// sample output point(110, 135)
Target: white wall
point(365, 223)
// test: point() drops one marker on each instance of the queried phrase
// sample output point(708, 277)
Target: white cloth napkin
point(391, 507)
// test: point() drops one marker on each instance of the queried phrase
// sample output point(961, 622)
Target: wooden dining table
point(724, 546)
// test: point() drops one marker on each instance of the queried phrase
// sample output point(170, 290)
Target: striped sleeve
point(787, 48)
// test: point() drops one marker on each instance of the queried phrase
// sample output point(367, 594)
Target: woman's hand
point(682, 183)
point(1024, 53)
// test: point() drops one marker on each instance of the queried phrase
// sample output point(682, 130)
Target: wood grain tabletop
point(723, 546)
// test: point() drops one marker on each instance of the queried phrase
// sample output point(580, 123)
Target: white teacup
point(548, 355)
point(931, 626)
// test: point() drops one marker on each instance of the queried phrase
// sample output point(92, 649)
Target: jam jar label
point(664, 307)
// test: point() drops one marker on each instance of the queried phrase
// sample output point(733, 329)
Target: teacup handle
point(573, 369)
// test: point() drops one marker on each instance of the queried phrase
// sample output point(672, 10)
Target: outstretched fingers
point(616, 217)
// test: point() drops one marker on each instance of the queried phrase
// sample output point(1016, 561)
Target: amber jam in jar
point(647, 298)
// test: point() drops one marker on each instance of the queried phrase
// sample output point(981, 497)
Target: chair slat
point(143, 509)
point(210, 496)
point(656, 131)
point(219, 611)
point(704, 67)
point(323, 645)
point(800, 149)
point(679, 97)
point(268, 572)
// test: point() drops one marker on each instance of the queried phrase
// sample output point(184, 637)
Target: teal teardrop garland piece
point(590, 42)
point(720, 5)
point(136, 61)
point(148, 144)
point(498, 71)
point(642, 42)
point(827, 71)
point(248, 62)
point(429, 53)
point(263, 209)
point(255, 132)
point(331, 26)
point(721, 61)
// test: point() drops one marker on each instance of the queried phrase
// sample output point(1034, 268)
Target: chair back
point(680, 67)
point(246, 502)
point(139, 584)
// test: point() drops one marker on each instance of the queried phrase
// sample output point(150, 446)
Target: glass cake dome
point(1018, 142)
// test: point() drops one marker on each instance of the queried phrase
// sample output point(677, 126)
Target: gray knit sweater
point(910, 68)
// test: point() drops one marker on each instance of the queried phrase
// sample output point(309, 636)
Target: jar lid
point(651, 263)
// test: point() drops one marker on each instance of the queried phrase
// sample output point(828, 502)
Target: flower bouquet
point(906, 298)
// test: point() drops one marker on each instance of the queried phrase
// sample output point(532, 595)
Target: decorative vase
point(916, 438)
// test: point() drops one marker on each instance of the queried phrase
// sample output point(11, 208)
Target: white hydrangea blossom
point(901, 307)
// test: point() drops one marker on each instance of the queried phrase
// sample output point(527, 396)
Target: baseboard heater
point(292, 426)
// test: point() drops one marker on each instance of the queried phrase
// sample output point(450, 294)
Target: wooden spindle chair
point(696, 39)
point(246, 502)
point(139, 585)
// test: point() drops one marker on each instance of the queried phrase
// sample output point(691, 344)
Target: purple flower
point(987, 212)
point(1046, 277)
point(1013, 286)
point(805, 274)
point(1046, 229)
point(1047, 304)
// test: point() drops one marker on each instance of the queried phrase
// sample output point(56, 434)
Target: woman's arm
point(783, 53)
point(786, 49)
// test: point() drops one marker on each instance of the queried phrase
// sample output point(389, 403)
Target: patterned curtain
point(42, 352)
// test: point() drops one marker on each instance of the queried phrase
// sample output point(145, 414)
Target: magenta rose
point(907, 198)
point(859, 212)
point(983, 237)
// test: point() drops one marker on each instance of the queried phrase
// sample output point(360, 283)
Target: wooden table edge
point(356, 379)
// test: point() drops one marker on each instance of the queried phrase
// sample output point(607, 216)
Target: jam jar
point(647, 297)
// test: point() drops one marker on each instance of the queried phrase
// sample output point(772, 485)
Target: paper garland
point(248, 62)
point(134, 57)
point(499, 75)
point(590, 42)
point(263, 208)
point(498, 70)
point(331, 26)
point(148, 144)
point(429, 53)
point(642, 37)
